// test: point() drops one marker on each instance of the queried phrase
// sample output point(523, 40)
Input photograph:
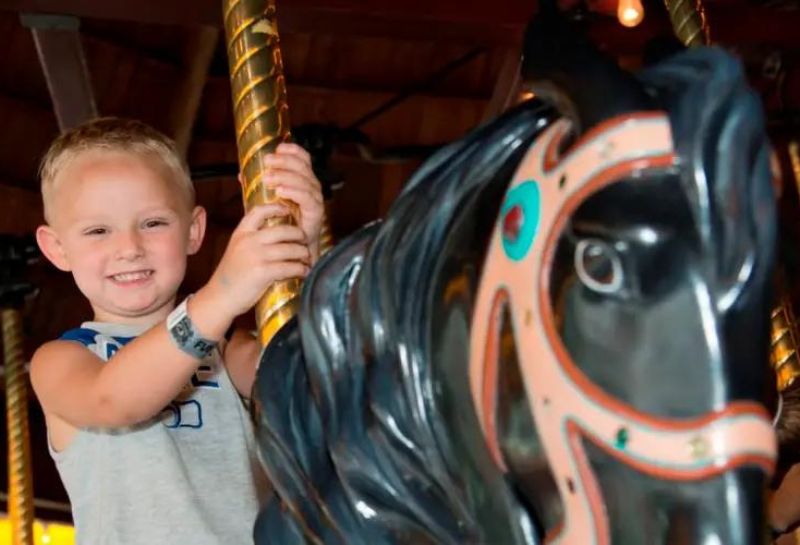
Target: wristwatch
point(185, 336)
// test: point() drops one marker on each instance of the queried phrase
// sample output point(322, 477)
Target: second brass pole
point(20, 479)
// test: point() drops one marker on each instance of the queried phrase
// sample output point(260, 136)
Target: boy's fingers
point(287, 161)
point(293, 149)
point(284, 270)
point(787, 539)
point(255, 218)
point(281, 176)
point(293, 179)
point(280, 233)
point(285, 252)
point(303, 197)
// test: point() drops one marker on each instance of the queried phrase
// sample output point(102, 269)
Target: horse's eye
point(598, 266)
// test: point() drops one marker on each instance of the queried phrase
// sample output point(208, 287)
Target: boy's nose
point(129, 245)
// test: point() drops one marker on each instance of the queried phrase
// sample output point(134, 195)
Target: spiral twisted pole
point(261, 119)
point(326, 240)
point(794, 159)
point(20, 480)
point(783, 352)
point(689, 21)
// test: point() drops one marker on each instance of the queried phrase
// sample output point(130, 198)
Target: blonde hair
point(113, 134)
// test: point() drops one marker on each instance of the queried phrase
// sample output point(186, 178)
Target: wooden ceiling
point(408, 75)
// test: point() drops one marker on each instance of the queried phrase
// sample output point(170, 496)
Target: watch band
point(185, 336)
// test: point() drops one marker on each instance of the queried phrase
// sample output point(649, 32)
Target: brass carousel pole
point(15, 254)
point(784, 355)
point(689, 21)
point(261, 118)
point(20, 481)
point(326, 241)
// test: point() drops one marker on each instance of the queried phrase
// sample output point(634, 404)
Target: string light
point(630, 12)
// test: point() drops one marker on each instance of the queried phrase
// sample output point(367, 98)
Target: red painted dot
point(512, 223)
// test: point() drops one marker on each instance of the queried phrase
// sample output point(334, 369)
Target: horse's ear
point(742, 196)
point(564, 68)
point(720, 138)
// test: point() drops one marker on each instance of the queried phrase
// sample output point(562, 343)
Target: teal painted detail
point(622, 439)
point(519, 219)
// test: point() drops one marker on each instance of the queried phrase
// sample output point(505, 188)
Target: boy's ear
point(197, 230)
point(51, 247)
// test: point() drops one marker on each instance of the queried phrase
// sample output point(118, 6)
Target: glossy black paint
point(367, 427)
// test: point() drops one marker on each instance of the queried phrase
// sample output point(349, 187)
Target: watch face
point(203, 347)
point(182, 331)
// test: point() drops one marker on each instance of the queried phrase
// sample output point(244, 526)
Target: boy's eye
point(94, 231)
point(150, 224)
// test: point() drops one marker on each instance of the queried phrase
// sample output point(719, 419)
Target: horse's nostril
point(682, 529)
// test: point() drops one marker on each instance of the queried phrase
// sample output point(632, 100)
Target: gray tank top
point(189, 476)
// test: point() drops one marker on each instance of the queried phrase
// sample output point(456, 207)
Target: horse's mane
point(365, 326)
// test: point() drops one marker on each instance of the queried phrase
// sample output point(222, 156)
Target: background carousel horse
point(557, 335)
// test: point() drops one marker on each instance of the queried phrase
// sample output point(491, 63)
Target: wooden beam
point(753, 25)
point(469, 21)
point(25, 186)
point(20, 210)
point(198, 55)
point(60, 51)
point(170, 12)
point(421, 120)
point(26, 104)
point(731, 24)
point(28, 128)
point(501, 23)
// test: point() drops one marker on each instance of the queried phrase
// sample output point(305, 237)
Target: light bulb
point(630, 12)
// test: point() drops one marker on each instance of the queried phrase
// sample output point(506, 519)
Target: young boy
point(143, 408)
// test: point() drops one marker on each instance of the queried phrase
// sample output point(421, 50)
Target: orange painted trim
point(552, 157)
point(489, 386)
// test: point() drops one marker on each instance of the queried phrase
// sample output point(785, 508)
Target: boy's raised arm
point(147, 373)
point(134, 385)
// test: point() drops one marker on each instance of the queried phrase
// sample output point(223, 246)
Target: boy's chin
point(133, 309)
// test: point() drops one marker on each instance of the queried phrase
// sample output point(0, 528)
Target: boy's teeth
point(130, 277)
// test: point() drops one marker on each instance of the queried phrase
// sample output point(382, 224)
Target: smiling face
point(124, 230)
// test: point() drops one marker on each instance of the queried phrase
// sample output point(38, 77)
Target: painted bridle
point(567, 407)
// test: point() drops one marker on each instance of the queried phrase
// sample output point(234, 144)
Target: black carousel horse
point(557, 335)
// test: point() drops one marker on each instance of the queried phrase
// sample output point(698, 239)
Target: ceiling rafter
point(60, 52)
point(468, 21)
